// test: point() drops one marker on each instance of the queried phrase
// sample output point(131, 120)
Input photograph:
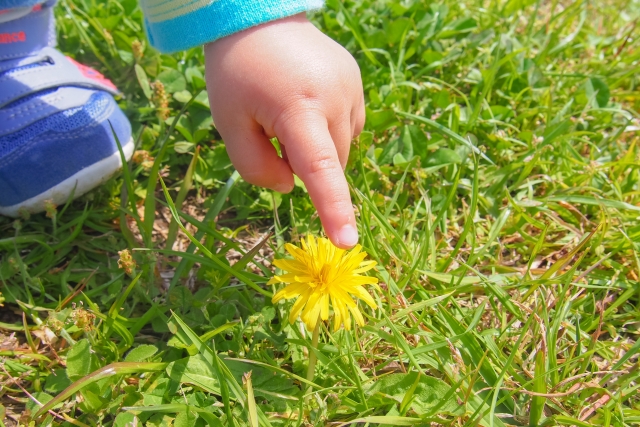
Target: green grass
point(497, 185)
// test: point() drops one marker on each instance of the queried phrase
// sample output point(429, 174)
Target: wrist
point(184, 27)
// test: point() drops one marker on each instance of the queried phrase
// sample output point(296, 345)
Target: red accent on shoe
point(92, 74)
point(18, 37)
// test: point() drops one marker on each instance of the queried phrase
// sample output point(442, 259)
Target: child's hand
point(287, 79)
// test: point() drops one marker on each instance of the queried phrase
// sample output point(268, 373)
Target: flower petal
point(290, 291)
point(297, 253)
point(355, 311)
point(314, 297)
point(294, 277)
point(299, 305)
point(324, 307)
point(361, 293)
point(274, 280)
point(310, 316)
point(342, 296)
point(346, 319)
point(365, 266)
point(359, 280)
point(337, 316)
point(291, 265)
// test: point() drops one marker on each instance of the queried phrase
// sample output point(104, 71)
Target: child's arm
point(280, 78)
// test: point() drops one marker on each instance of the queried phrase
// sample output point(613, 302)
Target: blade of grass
point(152, 184)
point(560, 263)
point(182, 195)
point(539, 386)
point(251, 400)
point(117, 304)
point(507, 365)
point(208, 253)
point(468, 224)
point(118, 368)
point(211, 214)
point(447, 132)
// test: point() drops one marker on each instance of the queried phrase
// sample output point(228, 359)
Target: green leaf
point(126, 419)
point(141, 353)
point(57, 381)
point(396, 29)
point(599, 89)
point(185, 419)
point(390, 151)
point(555, 130)
point(42, 397)
point(182, 147)
point(172, 408)
point(427, 392)
point(196, 371)
point(443, 156)
point(399, 159)
point(406, 146)
point(180, 296)
point(381, 119)
point(79, 360)
point(143, 80)
point(262, 379)
point(217, 159)
point(173, 80)
point(430, 56)
point(92, 402)
point(389, 420)
point(419, 141)
point(182, 96)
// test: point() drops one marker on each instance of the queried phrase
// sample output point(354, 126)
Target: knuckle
point(322, 164)
point(298, 106)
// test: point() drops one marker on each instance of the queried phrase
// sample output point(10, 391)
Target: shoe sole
point(80, 183)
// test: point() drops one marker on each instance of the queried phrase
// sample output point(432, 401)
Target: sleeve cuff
point(174, 25)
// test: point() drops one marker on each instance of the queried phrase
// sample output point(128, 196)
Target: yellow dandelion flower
point(320, 274)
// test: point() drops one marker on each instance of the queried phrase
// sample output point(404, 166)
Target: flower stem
point(311, 370)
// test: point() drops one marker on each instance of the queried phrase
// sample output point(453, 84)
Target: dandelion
point(321, 275)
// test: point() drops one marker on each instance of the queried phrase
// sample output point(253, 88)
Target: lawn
point(497, 186)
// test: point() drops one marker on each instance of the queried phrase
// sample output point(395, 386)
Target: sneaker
point(57, 119)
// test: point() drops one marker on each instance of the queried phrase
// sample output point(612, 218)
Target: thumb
point(314, 158)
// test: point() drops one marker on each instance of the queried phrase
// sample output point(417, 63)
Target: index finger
point(313, 157)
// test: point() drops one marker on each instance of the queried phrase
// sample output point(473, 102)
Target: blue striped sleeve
point(174, 25)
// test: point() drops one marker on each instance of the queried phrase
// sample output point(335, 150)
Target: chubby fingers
point(313, 156)
point(257, 161)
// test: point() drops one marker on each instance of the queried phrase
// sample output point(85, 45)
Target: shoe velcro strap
point(37, 108)
point(27, 35)
point(50, 69)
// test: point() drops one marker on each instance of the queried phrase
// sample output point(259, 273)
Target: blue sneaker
point(55, 119)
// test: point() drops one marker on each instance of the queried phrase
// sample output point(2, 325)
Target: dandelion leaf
point(427, 396)
point(195, 371)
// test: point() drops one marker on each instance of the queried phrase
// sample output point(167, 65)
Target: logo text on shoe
point(18, 37)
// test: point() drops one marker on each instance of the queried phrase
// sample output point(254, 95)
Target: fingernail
point(348, 236)
point(283, 188)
